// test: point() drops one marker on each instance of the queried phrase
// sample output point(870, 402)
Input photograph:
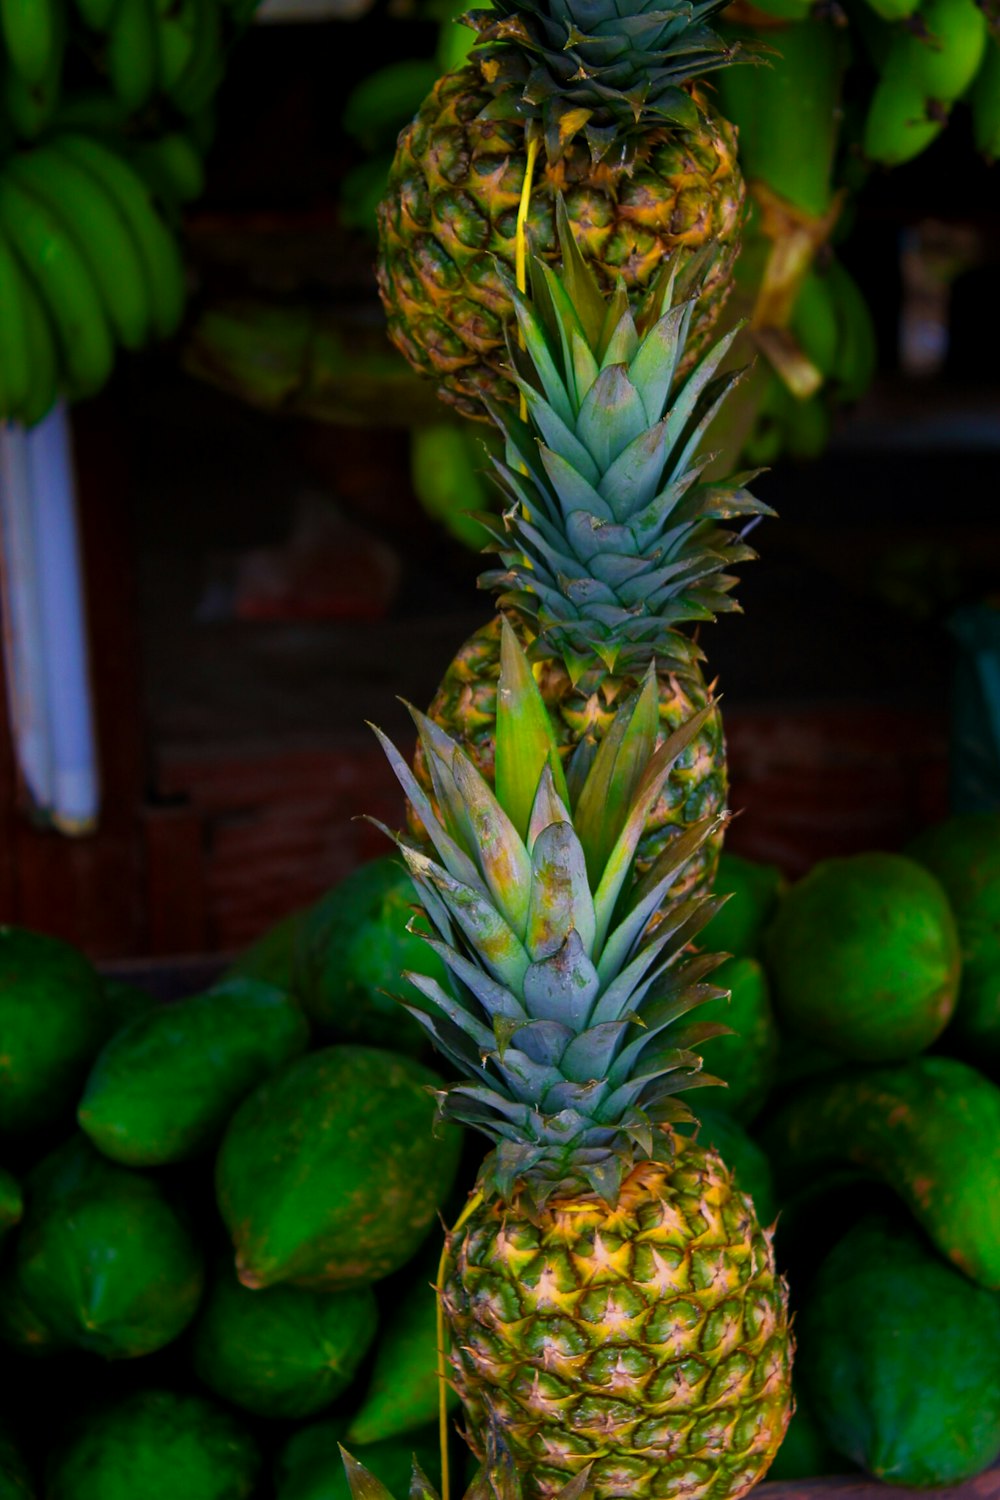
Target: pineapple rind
point(650, 1338)
point(451, 208)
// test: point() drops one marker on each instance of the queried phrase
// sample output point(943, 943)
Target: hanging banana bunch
point(105, 117)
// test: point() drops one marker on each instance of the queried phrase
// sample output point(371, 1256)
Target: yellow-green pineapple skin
point(651, 1339)
point(451, 208)
point(465, 707)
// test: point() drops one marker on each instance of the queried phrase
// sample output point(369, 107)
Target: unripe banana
point(893, 10)
point(897, 126)
point(96, 14)
point(131, 56)
point(43, 356)
point(175, 24)
point(93, 221)
point(197, 85)
point(31, 106)
point(379, 106)
point(857, 349)
point(162, 264)
point(448, 467)
point(948, 61)
point(49, 256)
point(807, 427)
point(172, 166)
point(814, 321)
point(984, 101)
point(15, 355)
point(29, 31)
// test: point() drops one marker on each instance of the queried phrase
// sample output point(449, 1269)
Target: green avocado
point(102, 1260)
point(863, 957)
point(353, 948)
point(163, 1088)
point(283, 1352)
point(310, 1466)
point(53, 1019)
point(746, 1060)
point(964, 853)
point(753, 889)
point(899, 1356)
point(330, 1174)
point(404, 1391)
point(15, 1480)
point(158, 1446)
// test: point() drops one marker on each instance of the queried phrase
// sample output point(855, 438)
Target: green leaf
point(561, 899)
point(362, 1482)
point(503, 859)
point(614, 777)
point(611, 416)
point(580, 282)
point(653, 368)
point(525, 739)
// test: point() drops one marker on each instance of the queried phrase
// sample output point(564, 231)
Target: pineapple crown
point(568, 975)
point(496, 1479)
point(608, 68)
point(612, 538)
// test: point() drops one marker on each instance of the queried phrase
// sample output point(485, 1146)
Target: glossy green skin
point(159, 1446)
point(403, 1392)
point(311, 1468)
point(11, 1202)
point(284, 1352)
point(330, 1174)
point(102, 1260)
point(899, 1355)
point(864, 958)
point(964, 853)
point(930, 1129)
point(15, 1481)
point(163, 1088)
point(741, 1154)
point(351, 952)
point(746, 1061)
point(753, 889)
point(53, 1019)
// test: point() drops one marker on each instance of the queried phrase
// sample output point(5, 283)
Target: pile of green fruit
point(214, 1215)
point(105, 116)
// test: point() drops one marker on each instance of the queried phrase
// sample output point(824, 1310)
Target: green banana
point(61, 276)
point(198, 84)
point(101, 235)
point(32, 106)
point(29, 31)
point(95, 14)
point(43, 355)
point(448, 466)
point(130, 55)
point(857, 350)
point(379, 106)
point(15, 353)
point(984, 101)
point(893, 10)
point(787, 110)
point(158, 249)
point(807, 427)
point(946, 63)
point(814, 321)
point(455, 41)
point(175, 24)
point(897, 125)
point(172, 166)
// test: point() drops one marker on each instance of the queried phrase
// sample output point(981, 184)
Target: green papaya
point(283, 1352)
point(11, 1202)
point(15, 1480)
point(53, 1019)
point(353, 948)
point(753, 889)
point(403, 1392)
point(864, 959)
point(745, 1060)
point(963, 852)
point(102, 1260)
point(899, 1355)
point(929, 1129)
point(310, 1466)
point(160, 1446)
point(271, 958)
point(741, 1154)
point(162, 1089)
point(330, 1173)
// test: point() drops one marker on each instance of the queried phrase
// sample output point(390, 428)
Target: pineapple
point(612, 540)
point(611, 1299)
point(645, 163)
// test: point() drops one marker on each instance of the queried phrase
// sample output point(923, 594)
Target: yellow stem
point(521, 248)
point(442, 1353)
